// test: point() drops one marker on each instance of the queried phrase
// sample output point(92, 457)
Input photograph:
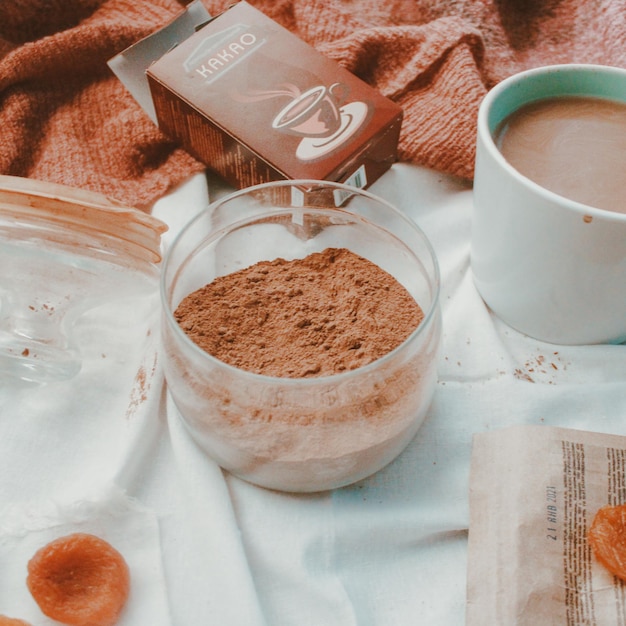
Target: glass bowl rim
point(429, 315)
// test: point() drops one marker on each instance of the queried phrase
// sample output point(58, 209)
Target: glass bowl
point(301, 434)
point(64, 252)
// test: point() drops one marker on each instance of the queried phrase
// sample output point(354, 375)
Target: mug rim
point(486, 125)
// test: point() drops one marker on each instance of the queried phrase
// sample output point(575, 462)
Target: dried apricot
point(80, 580)
point(12, 621)
point(607, 538)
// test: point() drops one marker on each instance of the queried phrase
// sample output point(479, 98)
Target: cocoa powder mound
point(327, 313)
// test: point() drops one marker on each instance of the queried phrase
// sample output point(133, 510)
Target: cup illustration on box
point(318, 117)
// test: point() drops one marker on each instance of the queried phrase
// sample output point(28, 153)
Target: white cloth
point(390, 550)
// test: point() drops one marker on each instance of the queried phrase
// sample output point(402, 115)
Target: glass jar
point(301, 434)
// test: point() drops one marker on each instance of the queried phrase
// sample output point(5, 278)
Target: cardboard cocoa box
point(255, 103)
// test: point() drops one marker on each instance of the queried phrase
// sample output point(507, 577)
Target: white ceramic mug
point(550, 267)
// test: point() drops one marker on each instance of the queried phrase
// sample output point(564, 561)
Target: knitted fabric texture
point(65, 118)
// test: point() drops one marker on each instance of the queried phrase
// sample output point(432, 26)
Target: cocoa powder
point(329, 312)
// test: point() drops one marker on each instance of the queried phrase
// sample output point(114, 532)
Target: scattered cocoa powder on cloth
point(327, 313)
point(66, 118)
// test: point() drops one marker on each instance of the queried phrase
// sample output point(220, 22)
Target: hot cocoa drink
point(574, 146)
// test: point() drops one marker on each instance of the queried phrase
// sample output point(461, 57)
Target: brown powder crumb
point(329, 312)
point(540, 366)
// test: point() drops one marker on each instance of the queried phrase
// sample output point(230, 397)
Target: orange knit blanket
point(64, 117)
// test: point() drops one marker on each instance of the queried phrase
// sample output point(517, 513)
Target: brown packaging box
point(255, 103)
